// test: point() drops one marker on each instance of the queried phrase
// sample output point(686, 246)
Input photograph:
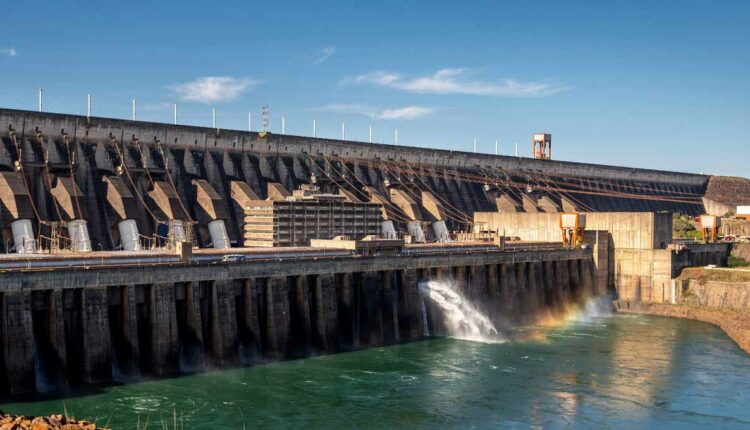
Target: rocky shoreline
point(52, 422)
point(735, 323)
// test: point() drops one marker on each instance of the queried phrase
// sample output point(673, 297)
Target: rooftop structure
point(308, 214)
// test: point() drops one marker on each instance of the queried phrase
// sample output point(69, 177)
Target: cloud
point(212, 89)
point(453, 81)
point(408, 112)
point(10, 52)
point(325, 54)
point(402, 113)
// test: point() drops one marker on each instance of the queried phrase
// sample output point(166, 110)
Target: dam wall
point(60, 168)
point(71, 327)
point(638, 248)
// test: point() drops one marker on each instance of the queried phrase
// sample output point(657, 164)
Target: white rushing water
point(460, 318)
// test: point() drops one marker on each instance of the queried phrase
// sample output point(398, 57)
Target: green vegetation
point(735, 261)
point(683, 227)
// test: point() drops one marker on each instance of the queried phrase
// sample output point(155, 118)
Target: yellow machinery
point(572, 226)
point(710, 227)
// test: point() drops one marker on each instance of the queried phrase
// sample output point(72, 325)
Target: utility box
point(184, 250)
point(572, 220)
point(710, 221)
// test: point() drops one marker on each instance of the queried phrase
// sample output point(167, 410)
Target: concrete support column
point(97, 346)
point(390, 307)
point(191, 328)
point(410, 319)
point(18, 343)
point(587, 278)
point(371, 309)
point(299, 306)
point(574, 271)
point(130, 329)
point(479, 287)
point(325, 313)
point(493, 283)
point(508, 286)
point(276, 340)
point(535, 288)
point(550, 293)
point(349, 311)
point(563, 280)
point(57, 336)
point(250, 339)
point(224, 345)
point(164, 334)
point(522, 287)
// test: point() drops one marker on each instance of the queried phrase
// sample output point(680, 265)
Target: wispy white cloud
point(10, 52)
point(210, 89)
point(407, 112)
point(454, 81)
point(401, 113)
point(324, 54)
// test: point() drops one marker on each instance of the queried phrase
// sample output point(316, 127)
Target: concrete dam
point(133, 249)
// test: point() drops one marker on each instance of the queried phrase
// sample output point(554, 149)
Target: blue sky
point(645, 84)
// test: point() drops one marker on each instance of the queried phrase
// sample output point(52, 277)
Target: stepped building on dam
point(133, 248)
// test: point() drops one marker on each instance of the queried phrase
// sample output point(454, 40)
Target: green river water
point(606, 372)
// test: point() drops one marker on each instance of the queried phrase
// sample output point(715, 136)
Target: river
point(602, 372)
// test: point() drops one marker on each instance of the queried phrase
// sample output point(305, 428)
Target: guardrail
point(90, 262)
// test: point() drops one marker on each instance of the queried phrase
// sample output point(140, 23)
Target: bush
point(735, 261)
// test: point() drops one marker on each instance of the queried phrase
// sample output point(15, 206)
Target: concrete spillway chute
point(213, 211)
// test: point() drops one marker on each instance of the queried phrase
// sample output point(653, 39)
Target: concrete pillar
point(164, 334)
point(97, 346)
point(249, 327)
point(587, 277)
point(508, 286)
point(371, 309)
point(548, 281)
point(389, 282)
point(493, 284)
point(325, 313)
point(348, 310)
point(479, 286)
point(410, 319)
point(130, 330)
point(18, 343)
point(191, 334)
point(299, 306)
point(224, 340)
point(276, 340)
point(56, 331)
point(562, 281)
point(522, 286)
point(574, 271)
point(533, 289)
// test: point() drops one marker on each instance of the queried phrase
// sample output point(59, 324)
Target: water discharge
point(461, 319)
